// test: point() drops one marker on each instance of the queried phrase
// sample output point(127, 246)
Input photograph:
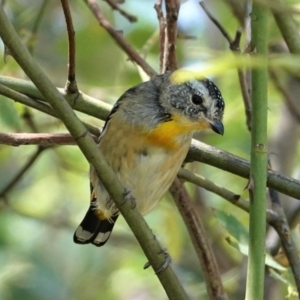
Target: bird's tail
point(93, 230)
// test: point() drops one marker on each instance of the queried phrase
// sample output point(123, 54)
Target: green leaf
point(233, 226)
point(8, 114)
point(244, 249)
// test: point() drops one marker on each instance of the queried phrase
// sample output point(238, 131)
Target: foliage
point(40, 213)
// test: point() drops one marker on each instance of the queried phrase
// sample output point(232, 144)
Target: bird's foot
point(129, 197)
point(166, 263)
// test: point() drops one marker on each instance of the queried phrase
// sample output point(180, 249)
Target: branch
point(22, 171)
point(286, 96)
point(38, 105)
point(71, 85)
point(216, 22)
point(281, 226)
point(90, 150)
point(196, 179)
point(81, 102)
point(162, 36)
point(36, 25)
point(287, 26)
point(28, 119)
point(275, 217)
point(118, 37)
point(259, 157)
point(231, 197)
point(239, 166)
point(172, 10)
point(198, 151)
point(125, 14)
point(41, 139)
point(200, 241)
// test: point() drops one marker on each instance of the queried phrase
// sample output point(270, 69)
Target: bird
point(145, 140)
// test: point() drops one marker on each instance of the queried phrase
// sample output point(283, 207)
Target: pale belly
point(150, 178)
point(147, 174)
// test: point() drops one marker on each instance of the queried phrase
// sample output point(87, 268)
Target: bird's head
point(199, 103)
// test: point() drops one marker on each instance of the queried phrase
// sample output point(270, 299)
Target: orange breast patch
point(167, 133)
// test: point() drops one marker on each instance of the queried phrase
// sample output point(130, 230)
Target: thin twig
point(131, 18)
point(22, 171)
point(150, 43)
point(162, 36)
point(281, 226)
point(246, 97)
point(27, 116)
point(41, 139)
point(118, 37)
point(286, 96)
point(172, 10)
point(231, 197)
point(71, 85)
point(216, 22)
point(234, 46)
point(36, 25)
point(200, 241)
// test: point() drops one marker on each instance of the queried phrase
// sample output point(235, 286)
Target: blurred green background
point(38, 216)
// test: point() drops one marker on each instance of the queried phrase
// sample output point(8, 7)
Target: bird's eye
point(197, 100)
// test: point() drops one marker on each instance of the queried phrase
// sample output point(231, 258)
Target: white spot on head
point(198, 86)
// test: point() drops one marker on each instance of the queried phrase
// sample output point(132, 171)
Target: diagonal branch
point(21, 172)
point(80, 102)
point(287, 26)
point(7, 92)
point(216, 22)
point(118, 37)
point(231, 197)
point(141, 230)
point(200, 241)
point(124, 13)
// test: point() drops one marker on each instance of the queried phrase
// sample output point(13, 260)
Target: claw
point(166, 263)
point(129, 197)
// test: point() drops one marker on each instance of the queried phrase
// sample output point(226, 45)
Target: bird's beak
point(217, 126)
